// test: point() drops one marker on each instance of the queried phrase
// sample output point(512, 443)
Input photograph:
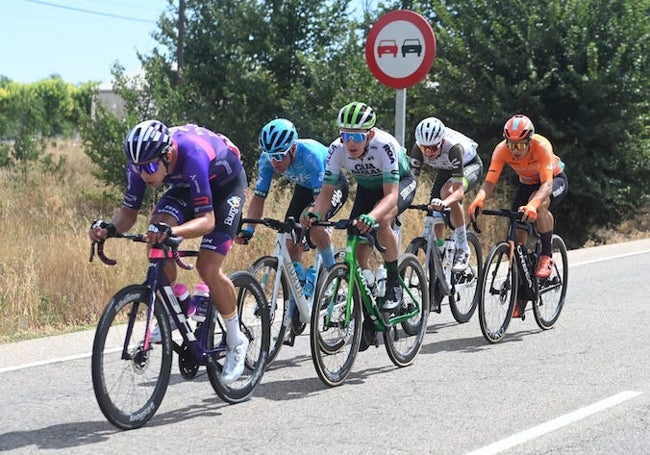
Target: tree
point(578, 68)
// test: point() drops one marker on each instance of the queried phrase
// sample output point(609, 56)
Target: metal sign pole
point(400, 115)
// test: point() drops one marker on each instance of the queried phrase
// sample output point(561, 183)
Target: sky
point(79, 40)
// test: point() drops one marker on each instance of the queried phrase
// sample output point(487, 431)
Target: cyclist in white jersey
point(385, 186)
point(459, 168)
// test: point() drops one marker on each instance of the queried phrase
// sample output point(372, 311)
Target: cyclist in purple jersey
point(205, 199)
point(302, 162)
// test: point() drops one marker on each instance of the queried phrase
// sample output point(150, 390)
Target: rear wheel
point(552, 290)
point(254, 323)
point(265, 270)
point(498, 294)
point(335, 334)
point(403, 340)
point(130, 381)
point(418, 247)
point(464, 293)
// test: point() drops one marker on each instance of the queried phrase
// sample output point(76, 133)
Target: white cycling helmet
point(430, 131)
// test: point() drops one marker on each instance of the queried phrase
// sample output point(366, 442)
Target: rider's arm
point(323, 200)
point(256, 207)
point(456, 154)
point(124, 219)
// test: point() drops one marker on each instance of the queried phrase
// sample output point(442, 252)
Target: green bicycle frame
point(369, 300)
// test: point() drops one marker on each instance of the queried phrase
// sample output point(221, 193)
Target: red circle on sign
point(429, 54)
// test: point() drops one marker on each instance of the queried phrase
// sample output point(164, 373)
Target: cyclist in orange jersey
point(542, 185)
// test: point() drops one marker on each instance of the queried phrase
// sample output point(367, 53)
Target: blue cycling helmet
point(277, 136)
point(146, 141)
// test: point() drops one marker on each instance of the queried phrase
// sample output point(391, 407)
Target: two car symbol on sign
point(409, 46)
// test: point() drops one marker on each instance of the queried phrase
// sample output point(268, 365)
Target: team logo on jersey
point(234, 202)
point(390, 153)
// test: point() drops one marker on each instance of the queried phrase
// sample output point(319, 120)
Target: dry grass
point(49, 286)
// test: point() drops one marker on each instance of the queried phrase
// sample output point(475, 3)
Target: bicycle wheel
point(418, 247)
point(129, 381)
point(464, 296)
point(335, 342)
point(265, 270)
point(498, 293)
point(403, 341)
point(552, 290)
point(254, 323)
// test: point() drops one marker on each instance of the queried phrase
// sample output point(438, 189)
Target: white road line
point(608, 258)
point(44, 362)
point(552, 425)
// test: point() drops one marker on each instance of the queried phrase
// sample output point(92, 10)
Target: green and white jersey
point(384, 161)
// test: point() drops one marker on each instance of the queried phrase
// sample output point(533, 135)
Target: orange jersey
point(540, 164)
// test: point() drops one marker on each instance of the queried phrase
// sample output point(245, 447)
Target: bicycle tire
point(254, 322)
point(418, 247)
point(464, 293)
point(129, 392)
point(498, 293)
point(403, 341)
point(552, 290)
point(264, 269)
point(334, 345)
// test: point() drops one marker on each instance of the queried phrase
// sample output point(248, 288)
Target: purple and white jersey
point(205, 158)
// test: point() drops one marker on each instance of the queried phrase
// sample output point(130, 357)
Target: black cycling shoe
point(368, 335)
point(393, 299)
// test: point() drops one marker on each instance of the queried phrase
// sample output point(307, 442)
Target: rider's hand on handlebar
point(477, 204)
point(437, 204)
point(308, 217)
point(245, 235)
point(529, 212)
point(365, 223)
point(100, 230)
point(157, 232)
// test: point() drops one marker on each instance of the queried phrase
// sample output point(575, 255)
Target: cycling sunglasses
point(429, 149)
point(149, 168)
point(520, 145)
point(278, 156)
point(354, 137)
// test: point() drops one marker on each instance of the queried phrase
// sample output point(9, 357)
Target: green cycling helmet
point(357, 116)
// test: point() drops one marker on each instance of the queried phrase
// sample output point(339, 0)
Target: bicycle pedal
point(289, 340)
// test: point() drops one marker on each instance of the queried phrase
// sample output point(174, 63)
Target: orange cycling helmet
point(518, 128)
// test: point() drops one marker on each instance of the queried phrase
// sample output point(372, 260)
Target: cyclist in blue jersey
point(302, 162)
point(205, 199)
point(385, 186)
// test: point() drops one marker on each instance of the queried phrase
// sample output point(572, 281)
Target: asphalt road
point(582, 387)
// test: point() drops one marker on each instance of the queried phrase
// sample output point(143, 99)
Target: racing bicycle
point(346, 313)
point(508, 279)
point(460, 288)
point(130, 374)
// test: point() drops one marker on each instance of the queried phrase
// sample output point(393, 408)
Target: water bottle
point(183, 295)
point(370, 278)
point(380, 278)
point(310, 277)
point(200, 303)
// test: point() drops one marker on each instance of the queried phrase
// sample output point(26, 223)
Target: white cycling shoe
point(233, 366)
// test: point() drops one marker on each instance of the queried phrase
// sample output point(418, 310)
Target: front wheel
point(254, 323)
point(335, 328)
point(498, 293)
point(552, 290)
point(464, 291)
point(403, 340)
point(265, 270)
point(130, 381)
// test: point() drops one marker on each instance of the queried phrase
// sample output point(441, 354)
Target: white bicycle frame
point(285, 267)
point(441, 268)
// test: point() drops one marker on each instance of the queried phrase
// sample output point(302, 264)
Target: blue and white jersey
point(307, 169)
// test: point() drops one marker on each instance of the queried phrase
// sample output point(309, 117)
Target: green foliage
point(103, 137)
point(578, 68)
